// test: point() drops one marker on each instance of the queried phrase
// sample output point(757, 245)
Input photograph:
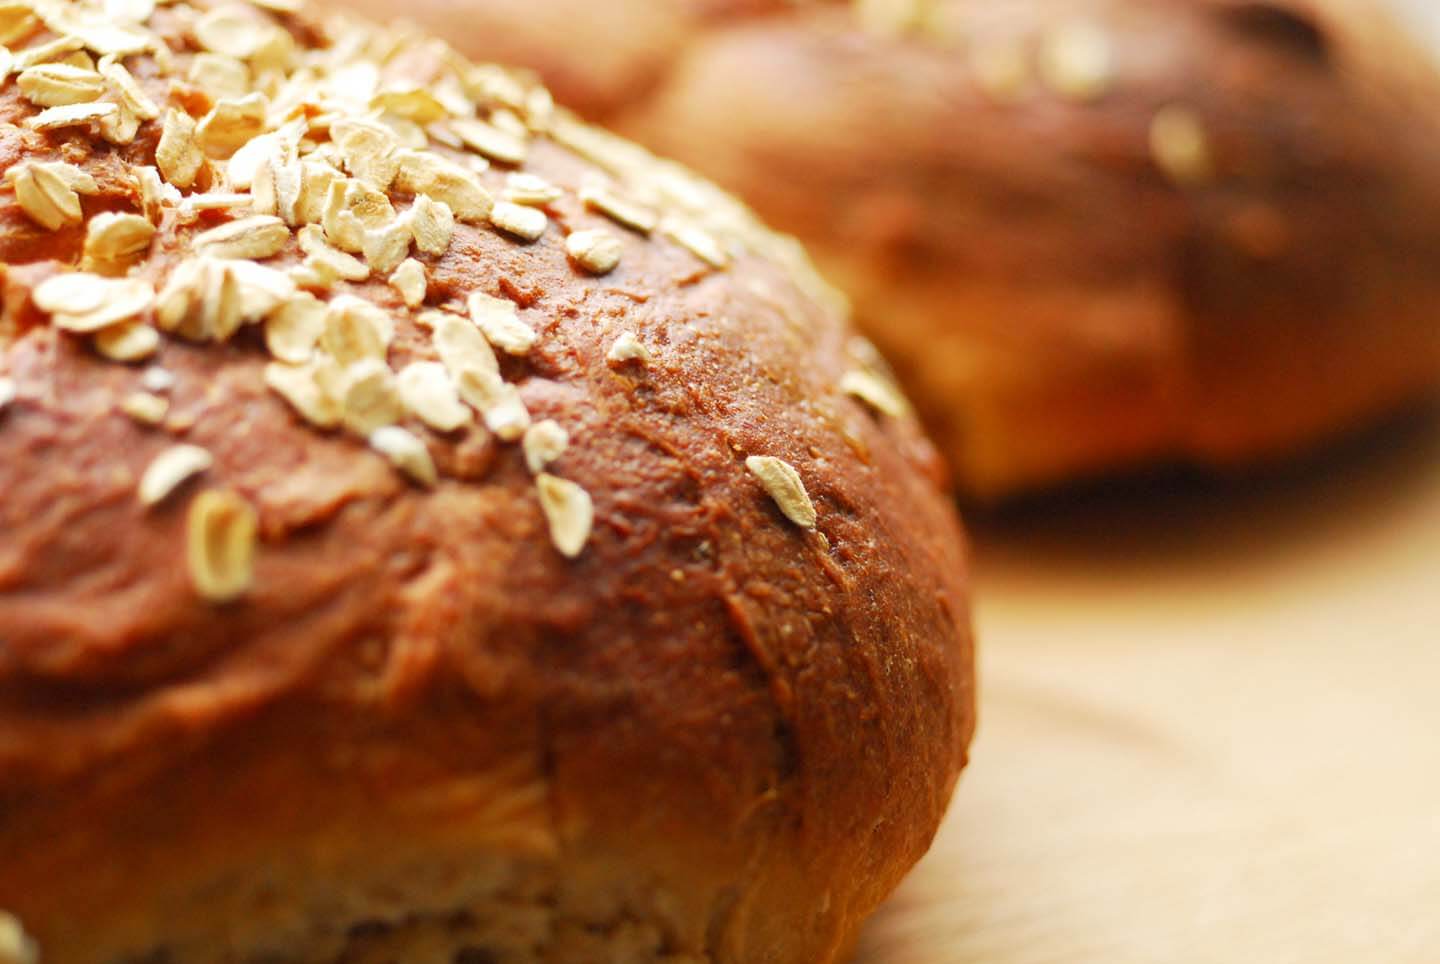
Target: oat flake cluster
point(315, 146)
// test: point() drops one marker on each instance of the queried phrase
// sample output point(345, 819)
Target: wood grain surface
point(1210, 727)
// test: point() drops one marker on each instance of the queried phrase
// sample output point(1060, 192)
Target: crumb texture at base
point(434, 529)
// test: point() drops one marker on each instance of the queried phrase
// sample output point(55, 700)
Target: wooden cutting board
point(1210, 728)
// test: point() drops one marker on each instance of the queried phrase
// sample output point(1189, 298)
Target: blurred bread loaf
point(1089, 234)
point(434, 530)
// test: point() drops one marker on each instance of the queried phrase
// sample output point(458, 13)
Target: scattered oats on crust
point(628, 348)
point(71, 115)
point(129, 341)
point(523, 222)
point(356, 330)
point(543, 443)
point(597, 251)
point(532, 189)
point(220, 545)
point(371, 399)
point(428, 392)
point(59, 85)
point(698, 242)
point(16, 947)
point(231, 124)
point(49, 193)
point(146, 408)
point(499, 320)
point(115, 242)
point(785, 486)
point(433, 225)
point(178, 155)
point(494, 143)
point(304, 387)
point(497, 401)
point(876, 391)
point(569, 512)
point(1180, 147)
point(171, 469)
point(292, 331)
point(406, 452)
point(621, 210)
point(410, 280)
point(85, 303)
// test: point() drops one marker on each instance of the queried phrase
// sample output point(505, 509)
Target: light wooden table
point(1210, 729)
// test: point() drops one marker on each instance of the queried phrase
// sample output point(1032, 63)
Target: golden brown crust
point(1193, 230)
point(735, 729)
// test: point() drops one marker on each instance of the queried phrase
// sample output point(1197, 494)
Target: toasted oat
point(45, 197)
point(494, 143)
point(568, 511)
point(219, 75)
point(597, 251)
point(16, 947)
point(304, 388)
point(157, 379)
point(70, 115)
point(235, 31)
point(523, 222)
point(171, 469)
point(254, 238)
point(127, 89)
point(155, 194)
point(129, 341)
point(427, 174)
point(784, 485)
point(500, 321)
point(120, 128)
point(386, 247)
point(178, 154)
point(328, 260)
point(698, 242)
point(49, 52)
point(628, 348)
point(410, 280)
point(620, 209)
point(433, 225)
point(231, 124)
point(115, 242)
point(370, 399)
point(497, 401)
point(356, 331)
point(406, 452)
point(460, 345)
point(544, 442)
point(146, 408)
point(368, 150)
point(531, 189)
point(427, 392)
point(57, 85)
point(193, 204)
point(205, 299)
point(292, 331)
point(220, 545)
point(1180, 146)
point(414, 104)
point(86, 303)
point(1077, 61)
point(877, 392)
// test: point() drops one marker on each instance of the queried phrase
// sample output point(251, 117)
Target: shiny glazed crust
point(277, 688)
point(1090, 235)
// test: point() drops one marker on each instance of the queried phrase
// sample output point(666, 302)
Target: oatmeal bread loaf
point(1090, 234)
point(434, 530)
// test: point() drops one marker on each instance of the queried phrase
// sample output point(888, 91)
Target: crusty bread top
point(406, 479)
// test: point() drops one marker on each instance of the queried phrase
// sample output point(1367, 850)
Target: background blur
point(1210, 728)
